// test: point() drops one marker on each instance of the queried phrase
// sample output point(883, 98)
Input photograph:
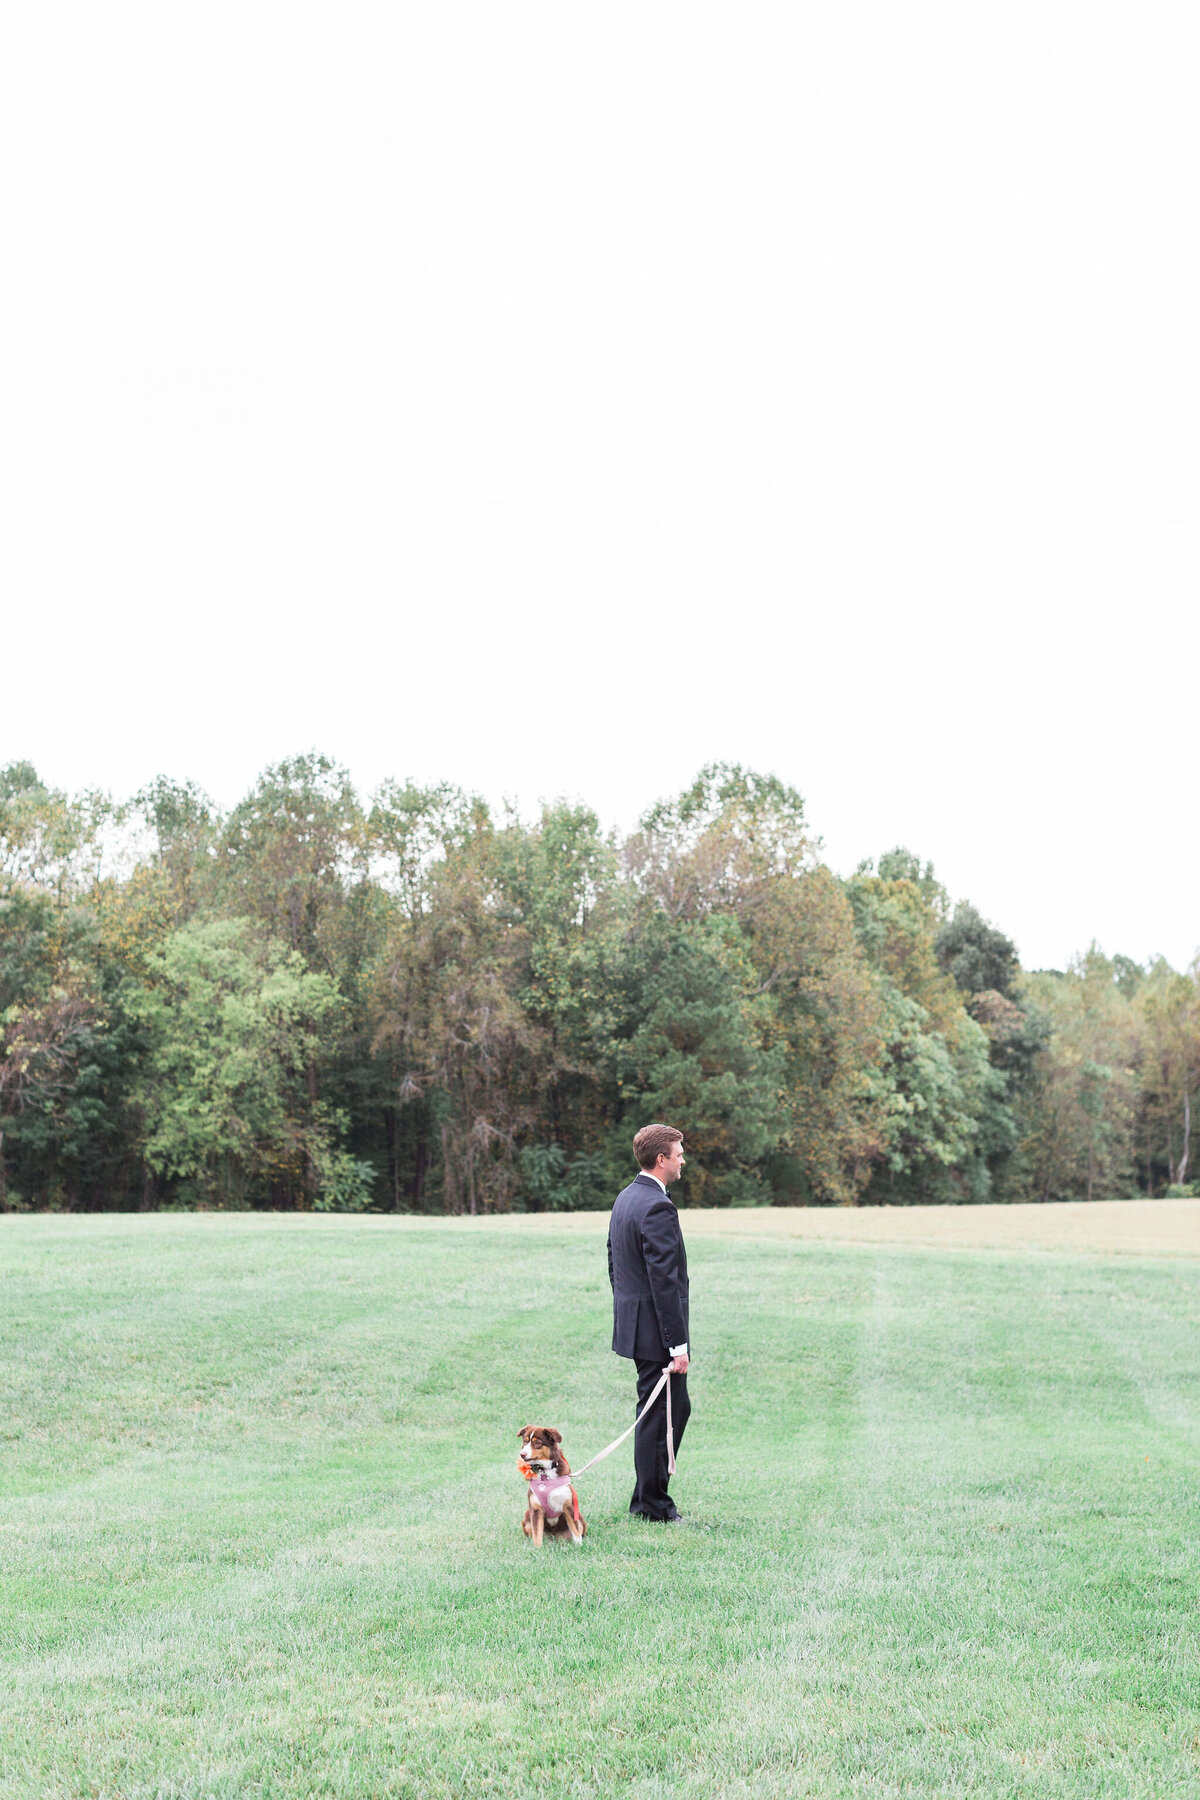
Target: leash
point(664, 1380)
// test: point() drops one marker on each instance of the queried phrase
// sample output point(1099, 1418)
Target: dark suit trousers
point(650, 1496)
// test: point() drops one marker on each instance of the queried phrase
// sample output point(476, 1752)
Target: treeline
point(411, 1004)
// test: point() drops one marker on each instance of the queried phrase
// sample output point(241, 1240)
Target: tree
point(232, 1019)
point(266, 1008)
point(450, 1017)
point(944, 1112)
point(559, 881)
point(186, 834)
point(945, 1118)
point(51, 1029)
point(688, 1048)
point(1167, 1006)
point(47, 840)
point(731, 829)
point(294, 857)
point(290, 850)
point(828, 1018)
point(411, 830)
point(40, 1046)
point(976, 956)
point(898, 919)
point(736, 844)
point(1076, 1118)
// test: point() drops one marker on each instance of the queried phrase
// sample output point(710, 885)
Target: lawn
point(259, 1519)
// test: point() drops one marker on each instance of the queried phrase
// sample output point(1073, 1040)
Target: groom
point(647, 1266)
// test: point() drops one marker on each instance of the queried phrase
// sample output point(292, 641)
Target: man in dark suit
point(647, 1266)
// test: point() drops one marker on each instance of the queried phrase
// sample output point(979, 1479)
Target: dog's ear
point(554, 1436)
point(525, 1431)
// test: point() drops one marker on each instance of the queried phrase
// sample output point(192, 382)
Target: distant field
point(259, 1511)
point(1109, 1227)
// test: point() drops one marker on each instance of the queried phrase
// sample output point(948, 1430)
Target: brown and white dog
point(553, 1504)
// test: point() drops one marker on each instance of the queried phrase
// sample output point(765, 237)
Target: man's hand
point(679, 1365)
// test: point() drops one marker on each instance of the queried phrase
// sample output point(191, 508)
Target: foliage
point(975, 955)
point(1078, 1117)
point(344, 1183)
point(409, 1003)
point(232, 1021)
point(1168, 1011)
point(689, 1048)
point(46, 838)
point(552, 1184)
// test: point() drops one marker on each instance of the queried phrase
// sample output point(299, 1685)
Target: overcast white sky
point(554, 398)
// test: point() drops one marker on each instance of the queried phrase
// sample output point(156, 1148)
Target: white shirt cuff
point(679, 1350)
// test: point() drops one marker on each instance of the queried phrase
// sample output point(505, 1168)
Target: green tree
point(186, 834)
point(231, 1019)
point(736, 845)
point(944, 1112)
point(290, 851)
point(689, 1049)
point(1077, 1118)
point(947, 1121)
point(1167, 1006)
point(559, 882)
point(47, 839)
point(977, 957)
point(450, 1018)
point(52, 1036)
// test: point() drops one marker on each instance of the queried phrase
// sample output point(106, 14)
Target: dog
point(553, 1504)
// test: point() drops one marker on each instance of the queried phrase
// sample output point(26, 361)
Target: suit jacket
point(647, 1266)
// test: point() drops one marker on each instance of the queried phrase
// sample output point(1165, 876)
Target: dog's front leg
point(539, 1523)
point(576, 1523)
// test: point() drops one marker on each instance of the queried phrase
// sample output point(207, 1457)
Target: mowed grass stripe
point(259, 1520)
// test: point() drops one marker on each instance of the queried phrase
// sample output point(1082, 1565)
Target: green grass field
point(260, 1520)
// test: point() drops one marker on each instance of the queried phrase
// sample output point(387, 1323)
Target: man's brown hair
point(653, 1141)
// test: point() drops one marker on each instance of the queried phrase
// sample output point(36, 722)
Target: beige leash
point(663, 1380)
